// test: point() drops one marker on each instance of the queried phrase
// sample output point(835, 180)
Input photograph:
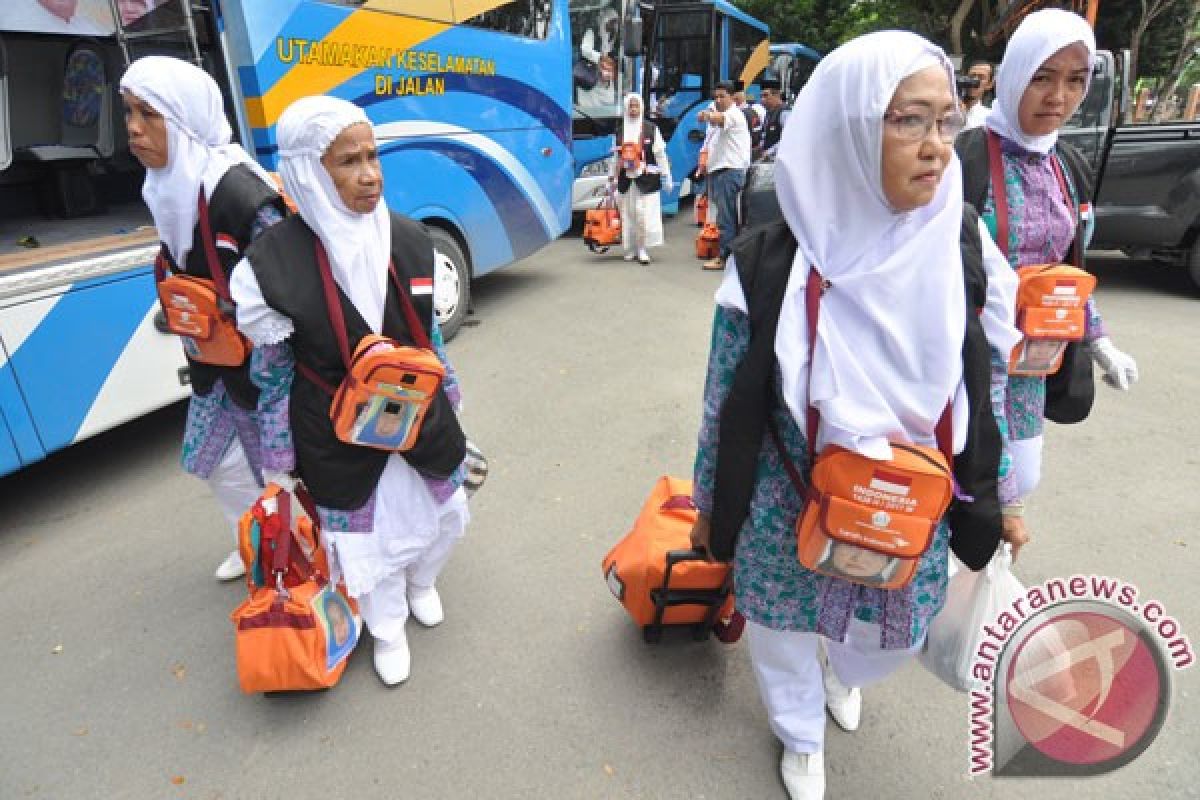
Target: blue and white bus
point(471, 103)
point(690, 46)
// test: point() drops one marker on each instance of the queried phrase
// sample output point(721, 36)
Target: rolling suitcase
point(661, 581)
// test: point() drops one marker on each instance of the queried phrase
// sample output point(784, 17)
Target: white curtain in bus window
point(81, 17)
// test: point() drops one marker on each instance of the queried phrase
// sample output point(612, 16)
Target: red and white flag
point(421, 286)
point(891, 483)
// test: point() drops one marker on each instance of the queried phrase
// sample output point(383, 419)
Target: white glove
point(1120, 370)
point(280, 479)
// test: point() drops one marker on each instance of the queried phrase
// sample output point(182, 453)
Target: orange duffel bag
point(602, 225)
point(389, 386)
point(295, 630)
point(1051, 313)
point(199, 310)
point(654, 572)
point(708, 242)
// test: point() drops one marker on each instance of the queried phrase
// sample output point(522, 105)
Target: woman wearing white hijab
point(1041, 82)
point(177, 129)
point(869, 190)
point(639, 183)
point(389, 520)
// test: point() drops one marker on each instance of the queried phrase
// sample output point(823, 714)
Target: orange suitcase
point(654, 572)
point(708, 242)
point(602, 225)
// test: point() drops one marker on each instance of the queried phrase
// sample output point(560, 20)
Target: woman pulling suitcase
point(852, 340)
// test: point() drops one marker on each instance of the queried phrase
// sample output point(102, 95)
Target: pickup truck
point(1147, 176)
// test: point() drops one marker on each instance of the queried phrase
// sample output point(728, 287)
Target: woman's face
point(147, 131)
point(857, 562)
point(352, 161)
point(912, 167)
point(1055, 91)
point(635, 108)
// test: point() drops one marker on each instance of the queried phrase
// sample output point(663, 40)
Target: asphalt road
point(583, 377)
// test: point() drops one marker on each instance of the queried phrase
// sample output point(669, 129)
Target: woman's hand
point(701, 535)
point(1015, 533)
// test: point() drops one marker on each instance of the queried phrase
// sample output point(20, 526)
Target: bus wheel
point(452, 283)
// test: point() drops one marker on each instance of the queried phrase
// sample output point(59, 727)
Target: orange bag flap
point(1053, 286)
point(192, 324)
point(1065, 324)
point(892, 534)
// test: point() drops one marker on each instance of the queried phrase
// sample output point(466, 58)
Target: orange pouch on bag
point(708, 242)
point(630, 154)
point(388, 387)
point(200, 309)
point(654, 573)
point(1050, 312)
point(869, 521)
point(194, 311)
point(295, 630)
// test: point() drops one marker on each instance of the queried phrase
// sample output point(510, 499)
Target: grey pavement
point(583, 377)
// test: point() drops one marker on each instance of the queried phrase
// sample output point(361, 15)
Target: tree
point(1183, 60)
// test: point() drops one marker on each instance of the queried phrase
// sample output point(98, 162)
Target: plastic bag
point(973, 599)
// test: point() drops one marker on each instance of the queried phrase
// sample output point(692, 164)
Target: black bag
point(1071, 391)
point(585, 73)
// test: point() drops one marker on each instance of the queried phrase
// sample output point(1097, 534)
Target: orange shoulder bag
point(200, 310)
point(389, 386)
point(1050, 297)
point(867, 521)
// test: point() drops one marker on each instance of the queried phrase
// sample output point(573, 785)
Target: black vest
point(341, 475)
point(772, 128)
point(231, 211)
point(647, 182)
point(764, 259)
point(1071, 391)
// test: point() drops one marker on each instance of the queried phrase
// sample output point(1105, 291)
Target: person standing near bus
point(774, 119)
point(972, 98)
point(728, 158)
point(178, 131)
point(639, 180)
point(389, 520)
point(1042, 80)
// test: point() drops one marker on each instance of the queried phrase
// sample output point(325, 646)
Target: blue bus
point(687, 46)
point(471, 103)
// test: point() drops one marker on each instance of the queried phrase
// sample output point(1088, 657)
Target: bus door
point(686, 51)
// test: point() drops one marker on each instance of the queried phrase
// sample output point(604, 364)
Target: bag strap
point(1077, 249)
point(999, 194)
point(215, 269)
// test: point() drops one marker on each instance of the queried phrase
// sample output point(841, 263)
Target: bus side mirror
point(632, 37)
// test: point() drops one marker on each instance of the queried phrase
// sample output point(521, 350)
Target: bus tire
point(452, 282)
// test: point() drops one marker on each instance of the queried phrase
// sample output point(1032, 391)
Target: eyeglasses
point(913, 126)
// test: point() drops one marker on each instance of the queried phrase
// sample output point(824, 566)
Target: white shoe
point(426, 605)
point(844, 703)
point(392, 660)
point(630, 256)
point(231, 568)
point(803, 775)
point(642, 256)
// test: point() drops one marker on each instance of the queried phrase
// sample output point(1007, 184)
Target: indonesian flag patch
point(228, 242)
point(421, 286)
point(1065, 286)
point(1085, 212)
point(891, 483)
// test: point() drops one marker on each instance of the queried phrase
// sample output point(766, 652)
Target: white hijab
point(359, 245)
point(632, 130)
point(199, 148)
point(1039, 36)
point(888, 355)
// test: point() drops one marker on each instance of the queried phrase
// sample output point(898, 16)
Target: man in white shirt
point(972, 99)
point(728, 158)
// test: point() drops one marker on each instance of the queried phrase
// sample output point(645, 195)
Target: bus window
point(747, 52)
point(685, 48)
point(528, 18)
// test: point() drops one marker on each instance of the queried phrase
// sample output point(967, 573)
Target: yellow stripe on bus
point(389, 31)
point(756, 63)
point(440, 10)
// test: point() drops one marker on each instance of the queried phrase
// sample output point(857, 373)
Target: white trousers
point(788, 668)
point(641, 219)
point(235, 485)
point(385, 608)
point(1027, 461)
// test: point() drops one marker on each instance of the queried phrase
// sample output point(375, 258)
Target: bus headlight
point(599, 169)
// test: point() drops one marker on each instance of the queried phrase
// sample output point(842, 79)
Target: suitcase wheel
point(729, 631)
point(595, 248)
point(652, 634)
point(699, 632)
